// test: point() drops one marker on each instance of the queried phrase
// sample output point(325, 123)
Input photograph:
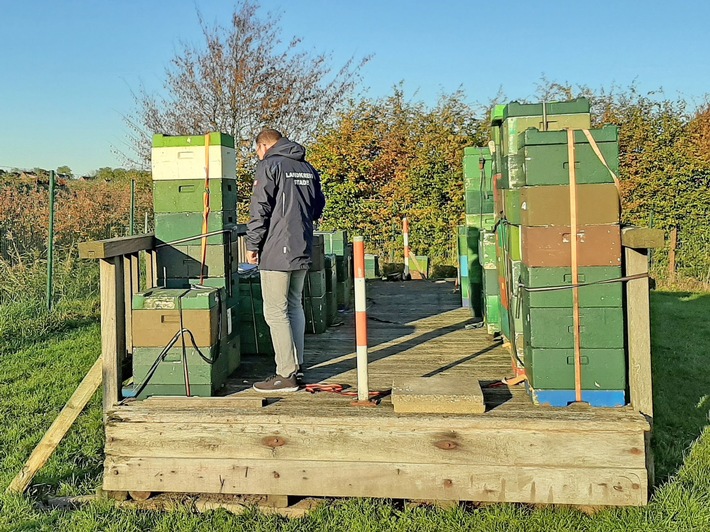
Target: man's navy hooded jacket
point(286, 200)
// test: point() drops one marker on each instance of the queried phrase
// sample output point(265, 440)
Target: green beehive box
point(516, 302)
point(492, 313)
point(468, 247)
point(174, 299)
point(555, 116)
point(595, 295)
point(344, 291)
point(187, 195)
point(255, 335)
point(316, 310)
point(343, 267)
point(601, 328)
point(169, 377)
point(185, 261)
point(514, 242)
point(181, 141)
point(315, 284)
point(481, 221)
point(331, 295)
point(490, 282)
point(372, 266)
point(474, 177)
point(255, 338)
point(170, 227)
point(505, 323)
point(487, 250)
point(334, 242)
point(478, 202)
point(331, 268)
point(602, 369)
point(547, 160)
point(511, 205)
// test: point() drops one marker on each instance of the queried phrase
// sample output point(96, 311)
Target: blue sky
point(68, 67)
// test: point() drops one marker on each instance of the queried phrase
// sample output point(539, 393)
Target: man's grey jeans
point(283, 312)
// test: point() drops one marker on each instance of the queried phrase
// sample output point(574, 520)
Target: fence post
point(133, 206)
point(50, 243)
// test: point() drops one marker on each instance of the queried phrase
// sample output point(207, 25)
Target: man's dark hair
point(268, 136)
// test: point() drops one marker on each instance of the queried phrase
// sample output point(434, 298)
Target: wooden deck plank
point(505, 447)
point(595, 486)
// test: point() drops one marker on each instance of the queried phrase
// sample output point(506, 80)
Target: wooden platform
point(319, 445)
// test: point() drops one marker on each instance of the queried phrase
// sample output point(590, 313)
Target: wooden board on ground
point(58, 429)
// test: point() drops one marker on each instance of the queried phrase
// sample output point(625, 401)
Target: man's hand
point(252, 257)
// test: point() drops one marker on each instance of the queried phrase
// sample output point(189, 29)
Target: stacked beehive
point(480, 216)
point(255, 333)
point(336, 243)
point(534, 251)
point(197, 297)
point(315, 293)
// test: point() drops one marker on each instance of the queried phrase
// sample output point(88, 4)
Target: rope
point(590, 283)
point(206, 207)
point(341, 390)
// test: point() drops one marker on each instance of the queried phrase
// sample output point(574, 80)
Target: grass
point(37, 378)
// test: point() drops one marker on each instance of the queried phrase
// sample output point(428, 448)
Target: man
point(286, 200)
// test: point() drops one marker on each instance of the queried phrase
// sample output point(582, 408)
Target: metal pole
point(50, 243)
point(133, 206)
point(363, 393)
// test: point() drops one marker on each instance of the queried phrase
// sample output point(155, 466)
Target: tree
point(388, 158)
point(65, 170)
point(242, 78)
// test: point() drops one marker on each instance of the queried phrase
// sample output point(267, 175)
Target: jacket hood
point(287, 148)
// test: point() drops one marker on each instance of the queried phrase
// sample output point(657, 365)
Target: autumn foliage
point(83, 211)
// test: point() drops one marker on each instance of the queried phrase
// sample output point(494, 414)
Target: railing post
point(405, 232)
point(113, 328)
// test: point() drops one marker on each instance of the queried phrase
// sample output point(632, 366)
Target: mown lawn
point(38, 377)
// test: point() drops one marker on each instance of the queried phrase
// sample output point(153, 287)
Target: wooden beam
point(113, 328)
point(113, 247)
point(536, 485)
point(151, 275)
point(639, 332)
point(642, 237)
point(58, 429)
point(417, 443)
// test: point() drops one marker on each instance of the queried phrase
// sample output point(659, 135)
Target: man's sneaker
point(277, 383)
point(299, 375)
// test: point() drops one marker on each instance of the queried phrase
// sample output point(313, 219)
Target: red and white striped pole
point(405, 232)
point(363, 392)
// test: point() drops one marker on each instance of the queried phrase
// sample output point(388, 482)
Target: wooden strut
point(575, 268)
point(49, 442)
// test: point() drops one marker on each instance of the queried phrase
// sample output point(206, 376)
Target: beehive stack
point(255, 333)
point(480, 216)
point(532, 200)
point(336, 243)
point(315, 293)
point(190, 286)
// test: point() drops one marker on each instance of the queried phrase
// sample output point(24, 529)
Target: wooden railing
point(636, 241)
point(120, 279)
